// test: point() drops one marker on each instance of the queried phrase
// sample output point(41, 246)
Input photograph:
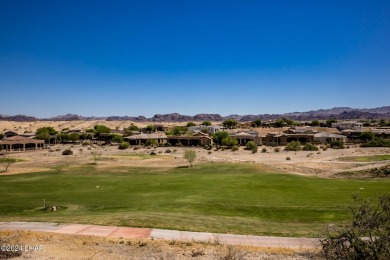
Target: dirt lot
point(320, 163)
point(38, 245)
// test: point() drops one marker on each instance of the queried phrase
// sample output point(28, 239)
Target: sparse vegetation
point(190, 155)
point(377, 142)
point(230, 123)
point(293, 146)
point(365, 237)
point(6, 162)
point(337, 145)
point(252, 146)
point(67, 152)
point(124, 145)
point(310, 147)
point(235, 148)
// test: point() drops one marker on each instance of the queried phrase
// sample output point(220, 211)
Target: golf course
point(213, 197)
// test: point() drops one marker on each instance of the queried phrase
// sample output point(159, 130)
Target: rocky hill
point(338, 113)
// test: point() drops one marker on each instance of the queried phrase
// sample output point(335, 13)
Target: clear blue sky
point(146, 57)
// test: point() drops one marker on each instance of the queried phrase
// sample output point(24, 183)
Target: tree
point(230, 123)
point(117, 138)
point(293, 146)
point(257, 122)
point(367, 236)
point(329, 122)
point(251, 146)
point(63, 137)
point(219, 136)
point(310, 147)
point(133, 127)
point(47, 129)
point(150, 128)
point(280, 123)
point(190, 156)
point(44, 133)
point(102, 129)
point(206, 123)
point(96, 155)
point(1, 136)
point(228, 141)
point(124, 145)
point(367, 136)
point(337, 145)
point(315, 123)
point(74, 137)
point(151, 142)
point(178, 130)
point(191, 124)
point(6, 162)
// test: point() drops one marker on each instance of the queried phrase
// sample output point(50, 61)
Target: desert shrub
point(190, 156)
point(67, 152)
point(310, 147)
point(288, 158)
point(264, 150)
point(117, 138)
point(86, 143)
point(151, 142)
point(124, 145)
point(277, 149)
point(377, 142)
point(254, 149)
point(234, 147)
point(168, 151)
point(229, 142)
point(325, 148)
point(167, 144)
point(365, 237)
point(337, 145)
point(293, 146)
point(209, 152)
point(153, 153)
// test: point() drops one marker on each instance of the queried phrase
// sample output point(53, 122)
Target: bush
point(124, 145)
point(337, 145)
point(377, 142)
point(277, 149)
point(365, 237)
point(151, 142)
point(190, 156)
point(310, 147)
point(234, 148)
point(67, 152)
point(252, 146)
point(168, 151)
point(288, 158)
point(117, 138)
point(293, 146)
point(264, 150)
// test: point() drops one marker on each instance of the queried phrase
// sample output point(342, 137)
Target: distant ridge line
point(338, 113)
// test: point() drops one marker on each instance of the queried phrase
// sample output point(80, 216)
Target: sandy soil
point(59, 246)
point(321, 163)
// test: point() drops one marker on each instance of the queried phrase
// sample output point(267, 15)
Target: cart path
point(147, 233)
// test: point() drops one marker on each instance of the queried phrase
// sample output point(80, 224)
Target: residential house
point(141, 139)
point(212, 129)
point(244, 137)
point(198, 139)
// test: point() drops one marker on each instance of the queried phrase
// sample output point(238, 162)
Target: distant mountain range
point(339, 113)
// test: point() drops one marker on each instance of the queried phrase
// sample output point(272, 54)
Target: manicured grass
point(225, 198)
point(368, 158)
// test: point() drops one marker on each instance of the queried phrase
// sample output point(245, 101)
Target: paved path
point(146, 233)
